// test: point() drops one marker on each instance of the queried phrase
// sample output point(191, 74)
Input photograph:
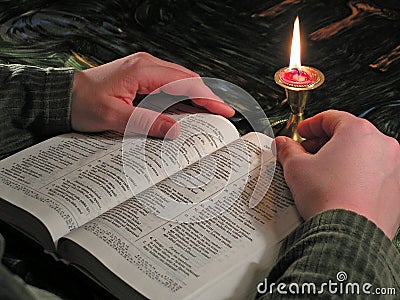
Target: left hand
point(102, 96)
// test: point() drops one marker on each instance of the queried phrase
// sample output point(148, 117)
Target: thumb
point(131, 119)
point(287, 148)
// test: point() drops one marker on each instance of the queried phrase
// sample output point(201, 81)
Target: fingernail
point(170, 129)
point(165, 127)
point(278, 142)
point(231, 110)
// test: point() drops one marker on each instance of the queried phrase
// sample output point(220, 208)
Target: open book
point(160, 227)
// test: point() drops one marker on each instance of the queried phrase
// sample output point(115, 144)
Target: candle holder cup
point(297, 95)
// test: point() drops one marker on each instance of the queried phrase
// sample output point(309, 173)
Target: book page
point(173, 257)
point(70, 179)
point(156, 159)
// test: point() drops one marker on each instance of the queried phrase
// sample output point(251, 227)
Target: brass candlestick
point(297, 94)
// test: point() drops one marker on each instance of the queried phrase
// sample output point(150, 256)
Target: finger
point(147, 74)
point(286, 148)
point(323, 124)
point(130, 119)
point(215, 106)
point(176, 82)
point(313, 145)
point(201, 95)
point(151, 123)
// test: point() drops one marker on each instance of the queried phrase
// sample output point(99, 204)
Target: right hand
point(344, 163)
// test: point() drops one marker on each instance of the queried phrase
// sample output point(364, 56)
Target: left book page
point(68, 180)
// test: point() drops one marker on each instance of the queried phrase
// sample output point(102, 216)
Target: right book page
point(218, 248)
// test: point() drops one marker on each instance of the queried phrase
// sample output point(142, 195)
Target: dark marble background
point(355, 43)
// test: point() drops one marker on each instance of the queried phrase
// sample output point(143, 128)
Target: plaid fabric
point(338, 246)
point(35, 103)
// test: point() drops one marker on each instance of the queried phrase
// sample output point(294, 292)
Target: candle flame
point(295, 61)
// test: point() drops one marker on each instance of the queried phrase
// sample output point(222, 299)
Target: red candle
point(296, 77)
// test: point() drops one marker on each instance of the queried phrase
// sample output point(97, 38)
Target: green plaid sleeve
point(35, 104)
point(342, 254)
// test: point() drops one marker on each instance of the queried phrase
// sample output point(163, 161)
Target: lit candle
point(296, 75)
point(298, 81)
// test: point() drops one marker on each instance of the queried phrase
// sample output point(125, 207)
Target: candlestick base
point(290, 129)
point(297, 94)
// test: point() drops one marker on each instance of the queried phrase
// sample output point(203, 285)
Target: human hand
point(355, 167)
point(102, 96)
